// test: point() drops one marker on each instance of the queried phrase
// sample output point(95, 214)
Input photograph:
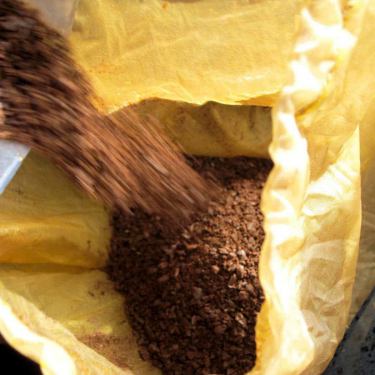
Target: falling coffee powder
point(46, 103)
point(192, 296)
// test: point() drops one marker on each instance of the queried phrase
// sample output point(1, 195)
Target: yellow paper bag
point(44, 219)
point(213, 129)
point(189, 51)
point(175, 51)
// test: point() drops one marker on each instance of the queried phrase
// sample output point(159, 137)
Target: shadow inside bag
point(11, 359)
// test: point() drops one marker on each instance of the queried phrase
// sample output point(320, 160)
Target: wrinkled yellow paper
point(312, 201)
point(213, 129)
point(57, 306)
point(44, 219)
point(152, 57)
point(360, 93)
point(232, 51)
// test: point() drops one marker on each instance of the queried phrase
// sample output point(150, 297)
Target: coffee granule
point(192, 297)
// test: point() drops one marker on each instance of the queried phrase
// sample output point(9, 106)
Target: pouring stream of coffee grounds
point(47, 104)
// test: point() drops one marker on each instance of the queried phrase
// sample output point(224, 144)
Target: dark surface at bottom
point(17, 363)
point(356, 353)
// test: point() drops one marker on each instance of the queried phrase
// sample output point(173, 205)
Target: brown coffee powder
point(192, 297)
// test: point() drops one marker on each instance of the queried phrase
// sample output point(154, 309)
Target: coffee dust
point(192, 296)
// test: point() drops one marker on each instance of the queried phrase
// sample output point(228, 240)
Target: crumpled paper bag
point(174, 56)
point(167, 61)
point(360, 97)
point(57, 305)
point(213, 129)
point(190, 51)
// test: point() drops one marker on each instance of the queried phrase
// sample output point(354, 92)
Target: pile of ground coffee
point(192, 296)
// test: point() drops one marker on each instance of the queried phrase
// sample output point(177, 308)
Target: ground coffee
point(192, 296)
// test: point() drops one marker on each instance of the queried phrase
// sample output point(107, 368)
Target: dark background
point(18, 364)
